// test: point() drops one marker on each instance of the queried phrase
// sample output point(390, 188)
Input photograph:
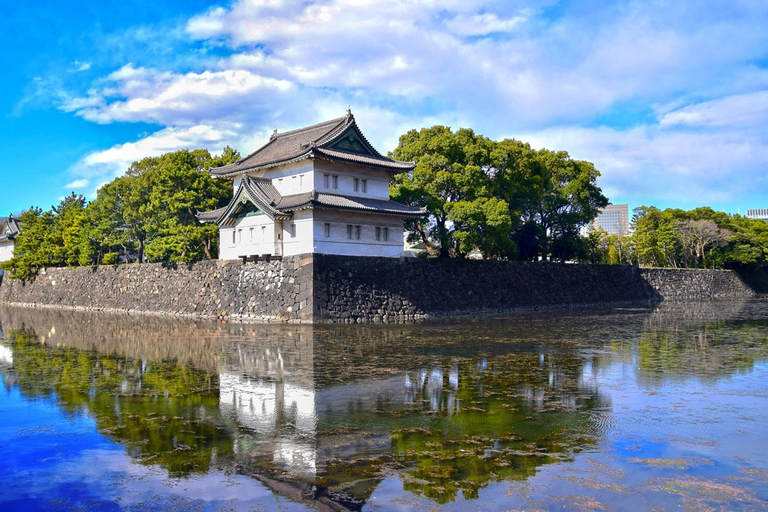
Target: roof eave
point(269, 165)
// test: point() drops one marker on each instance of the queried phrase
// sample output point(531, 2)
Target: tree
point(179, 187)
point(698, 235)
point(466, 181)
point(48, 239)
point(553, 194)
point(451, 180)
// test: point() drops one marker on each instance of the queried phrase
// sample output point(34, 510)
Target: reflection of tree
point(707, 352)
point(163, 412)
point(511, 416)
point(455, 425)
point(329, 410)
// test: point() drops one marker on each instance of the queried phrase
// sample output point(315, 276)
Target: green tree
point(451, 180)
point(48, 239)
point(179, 187)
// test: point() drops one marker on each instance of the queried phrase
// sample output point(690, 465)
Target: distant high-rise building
point(613, 219)
point(758, 213)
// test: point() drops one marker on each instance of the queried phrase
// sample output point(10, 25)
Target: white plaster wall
point(377, 180)
point(262, 242)
point(6, 251)
point(301, 243)
point(289, 179)
point(339, 243)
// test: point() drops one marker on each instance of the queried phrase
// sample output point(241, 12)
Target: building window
point(327, 180)
point(349, 231)
point(327, 230)
point(239, 236)
point(358, 230)
point(335, 181)
point(386, 234)
point(301, 180)
point(251, 234)
point(263, 233)
point(293, 230)
point(234, 240)
point(356, 184)
point(364, 187)
point(378, 233)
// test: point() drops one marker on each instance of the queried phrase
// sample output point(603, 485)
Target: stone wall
point(345, 289)
point(349, 289)
point(688, 284)
point(264, 291)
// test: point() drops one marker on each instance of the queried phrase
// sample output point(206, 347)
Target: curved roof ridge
point(336, 121)
point(294, 145)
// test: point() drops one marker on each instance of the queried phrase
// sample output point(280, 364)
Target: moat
point(651, 408)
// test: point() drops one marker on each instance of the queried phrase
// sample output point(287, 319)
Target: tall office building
point(613, 219)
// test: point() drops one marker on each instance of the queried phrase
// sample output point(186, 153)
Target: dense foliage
point(699, 238)
point(496, 199)
point(148, 214)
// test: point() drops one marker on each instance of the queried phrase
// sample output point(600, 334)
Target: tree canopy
point(699, 238)
point(500, 199)
point(148, 214)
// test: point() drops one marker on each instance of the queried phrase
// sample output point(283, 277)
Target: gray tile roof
point(337, 139)
point(9, 228)
point(339, 202)
point(259, 191)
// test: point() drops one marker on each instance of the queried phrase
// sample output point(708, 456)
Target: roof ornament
point(349, 111)
point(274, 135)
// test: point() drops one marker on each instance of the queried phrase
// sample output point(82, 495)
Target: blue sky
point(668, 98)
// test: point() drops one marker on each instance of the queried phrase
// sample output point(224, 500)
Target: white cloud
point(100, 167)
point(150, 95)
point(80, 183)
point(647, 165)
point(521, 69)
point(78, 66)
point(741, 110)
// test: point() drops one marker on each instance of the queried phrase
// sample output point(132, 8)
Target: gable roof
point(339, 139)
point(9, 228)
point(257, 191)
point(263, 195)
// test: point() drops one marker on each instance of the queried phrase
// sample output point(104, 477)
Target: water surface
point(616, 409)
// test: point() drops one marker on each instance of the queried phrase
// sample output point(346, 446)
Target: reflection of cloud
point(112, 476)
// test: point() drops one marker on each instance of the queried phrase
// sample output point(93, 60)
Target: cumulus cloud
point(150, 95)
point(665, 98)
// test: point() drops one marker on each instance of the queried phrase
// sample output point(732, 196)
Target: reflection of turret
point(280, 416)
point(332, 410)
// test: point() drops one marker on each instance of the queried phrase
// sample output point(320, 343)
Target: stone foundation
point(345, 289)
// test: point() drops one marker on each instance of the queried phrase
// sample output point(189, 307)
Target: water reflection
point(449, 407)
